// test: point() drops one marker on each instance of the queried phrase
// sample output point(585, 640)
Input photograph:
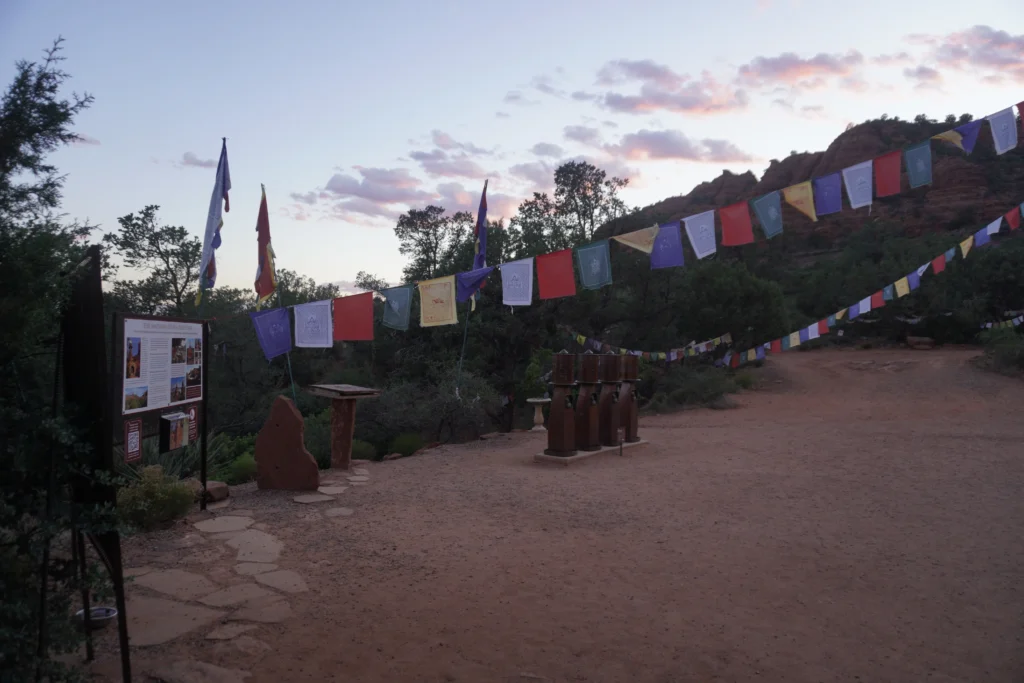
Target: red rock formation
point(282, 461)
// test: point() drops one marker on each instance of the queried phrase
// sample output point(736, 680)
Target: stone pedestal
point(343, 418)
point(608, 402)
point(538, 413)
point(587, 413)
point(282, 461)
point(561, 417)
point(627, 398)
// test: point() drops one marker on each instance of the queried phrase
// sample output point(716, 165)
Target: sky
point(352, 113)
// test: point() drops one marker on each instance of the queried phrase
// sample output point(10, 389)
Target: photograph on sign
point(174, 431)
point(162, 364)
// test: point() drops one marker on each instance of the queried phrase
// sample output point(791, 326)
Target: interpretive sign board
point(163, 364)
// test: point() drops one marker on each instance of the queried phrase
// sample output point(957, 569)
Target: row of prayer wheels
point(604, 400)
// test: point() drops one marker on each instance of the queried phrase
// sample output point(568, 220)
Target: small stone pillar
point(608, 402)
point(587, 413)
point(561, 422)
point(282, 461)
point(627, 398)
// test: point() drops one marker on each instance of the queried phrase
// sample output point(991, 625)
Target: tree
point(430, 236)
point(370, 282)
point(587, 198)
point(169, 254)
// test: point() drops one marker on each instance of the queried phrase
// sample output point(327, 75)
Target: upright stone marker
point(282, 461)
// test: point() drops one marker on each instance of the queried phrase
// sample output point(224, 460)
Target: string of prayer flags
point(804, 334)
point(939, 264)
point(701, 231)
point(828, 194)
point(854, 311)
point(785, 342)
point(902, 287)
point(842, 313)
point(595, 265)
point(555, 276)
point(517, 283)
point(877, 299)
point(397, 307)
point(353, 317)
point(273, 331)
point(1013, 215)
point(468, 283)
point(801, 198)
point(887, 174)
point(888, 293)
point(964, 136)
point(437, 302)
point(919, 164)
point(832, 319)
point(313, 329)
point(759, 353)
point(736, 226)
point(769, 213)
point(1003, 125)
point(966, 245)
point(638, 239)
point(668, 247)
point(857, 179)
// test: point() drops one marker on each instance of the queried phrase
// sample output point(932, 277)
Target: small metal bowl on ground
point(99, 617)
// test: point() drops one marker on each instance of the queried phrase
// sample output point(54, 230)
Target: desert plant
point(406, 444)
point(317, 437)
point(363, 450)
point(153, 500)
point(239, 471)
point(1004, 349)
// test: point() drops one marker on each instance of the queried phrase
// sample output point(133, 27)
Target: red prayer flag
point(939, 264)
point(735, 362)
point(554, 275)
point(887, 174)
point(736, 226)
point(1013, 216)
point(823, 327)
point(353, 317)
point(878, 298)
point(777, 346)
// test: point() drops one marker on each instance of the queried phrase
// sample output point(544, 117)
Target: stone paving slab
point(229, 631)
point(358, 478)
point(332, 490)
point(223, 523)
point(152, 621)
point(361, 471)
point(270, 610)
point(254, 545)
point(251, 568)
point(312, 498)
point(285, 581)
point(191, 671)
point(235, 595)
point(177, 583)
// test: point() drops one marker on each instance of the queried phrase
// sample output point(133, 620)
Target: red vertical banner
point(823, 327)
point(887, 174)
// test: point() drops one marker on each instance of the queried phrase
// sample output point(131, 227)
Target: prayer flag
point(784, 343)
point(950, 254)
point(981, 238)
point(794, 340)
point(1003, 125)
point(828, 194)
point(865, 305)
point(888, 293)
point(554, 275)
point(854, 311)
point(1013, 216)
point(397, 307)
point(919, 163)
point(822, 327)
point(480, 234)
point(939, 264)
point(902, 287)
point(878, 299)
point(964, 136)
point(887, 174)
point(638, 239)
point(668, 247)
point(812, 331)
point(769, 213)
point(857, 179)
point(701, 231)
point(469, 283)
point(517, 283)
point(727, 338)
point(832, 320)
point(801, 198)
point(804, 334)
point(736, 226)
point(214, 222)
point(313, 328)
point(595, 266)
point(994, 227)
point(273, 331)
point(759, 353)
point(353, 317)
point(437, 302)
point(735, 361)
point(751, 355)
point(921, 270)
point(914, 280)
point(266, 277)
point(777, 346)
point(841, 314)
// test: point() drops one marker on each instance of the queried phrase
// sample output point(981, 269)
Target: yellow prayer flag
point(623, 352)
point(580, 339)
point(951, 136)
point(640, 239)
point(841, 314)
point(966, 245)
point(437, 302)
point(751, 355)
point(801, 198)
point(794, 340)
point(902, 287)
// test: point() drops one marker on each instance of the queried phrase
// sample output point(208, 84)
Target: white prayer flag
point(517, 283)
point(857, 179)
point(994, 226)
point(1003, 125)
point(701, 231)
point(812, 331)
point(923, 269)
point(313, 326)
point(865, 305)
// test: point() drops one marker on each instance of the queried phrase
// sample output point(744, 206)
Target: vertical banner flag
point(480, 233)
point(759, 353)
point(1013, 217)
point(902, 287)
point(964, 136)
point(517, 283)
point(274, 331)
point(828, 194)
point(822, 327)
point(736, 226)
point(214, 221)
point(887, 174)
point(769, 212)
point(701, 231)
point(939, 264)
point(468, 283)
point(595, 265)
point(397, 307)
point(668, 247)
point(857, 179)
point(784, 343)
point(313, 328)
point(854, 311)
point(642, 239)
point(919, 164)
point(353, 317)
point(865, 305)
point(266, 277)
point(801, 198)
point(554, 275)
point(1003, 125)
point(437, 302)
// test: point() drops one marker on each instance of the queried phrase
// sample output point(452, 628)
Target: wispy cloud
point(791, 69)
point(670, 144)
point(980, 48)
point(923, 76)
point(583, 134)
point(547, 149)
point(190, 159)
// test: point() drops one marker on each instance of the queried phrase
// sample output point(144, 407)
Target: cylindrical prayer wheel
point(627, 398)
point(561, 422)
point(608, 403)
point(587, 413)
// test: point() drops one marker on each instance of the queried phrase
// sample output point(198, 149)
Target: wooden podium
point(343, 417)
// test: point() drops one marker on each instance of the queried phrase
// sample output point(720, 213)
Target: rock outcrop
point(282, 461)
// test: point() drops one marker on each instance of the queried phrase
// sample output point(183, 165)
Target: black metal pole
point(78, 554)
point(202, 413)
point(112, 540)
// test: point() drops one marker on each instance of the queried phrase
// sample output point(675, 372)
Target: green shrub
point(745, 380)
point(1004, 349)
point(363, 450)
point(317, 437)
point(154, 499)
point(239, 471)
point(407, 444)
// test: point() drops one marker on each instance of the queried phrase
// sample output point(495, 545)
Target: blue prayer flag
point(828, 194)
point(919, 163)
point(769, 212)
point(854, 311)
point(832, 320)
point(467, 284)
point(805, 336)
point(981, 237)
point(595, 266)
point(667, 251)
point(759, 353)
point(914, 280)
point(397, 307)
point(950, 254)
point(273, 331)
point(888, 292)
point(785, 343)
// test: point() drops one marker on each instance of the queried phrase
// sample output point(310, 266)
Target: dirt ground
point(858, 518)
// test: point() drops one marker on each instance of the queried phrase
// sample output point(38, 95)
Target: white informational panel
point(163, 364)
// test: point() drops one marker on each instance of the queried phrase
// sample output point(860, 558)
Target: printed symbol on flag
point(595, 266)
point(276, 329)
point(1004, 133)
point(920, 165)
point(773, 213)
point(703, 231)
point(438, 301)
point(514, 282)
point(313, 325)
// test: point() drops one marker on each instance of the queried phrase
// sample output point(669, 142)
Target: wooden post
point(343, 426)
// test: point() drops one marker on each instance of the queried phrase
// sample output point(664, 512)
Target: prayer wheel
point(587, 413)
point(561, 422)
point(608, 403)
point(627, 398)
